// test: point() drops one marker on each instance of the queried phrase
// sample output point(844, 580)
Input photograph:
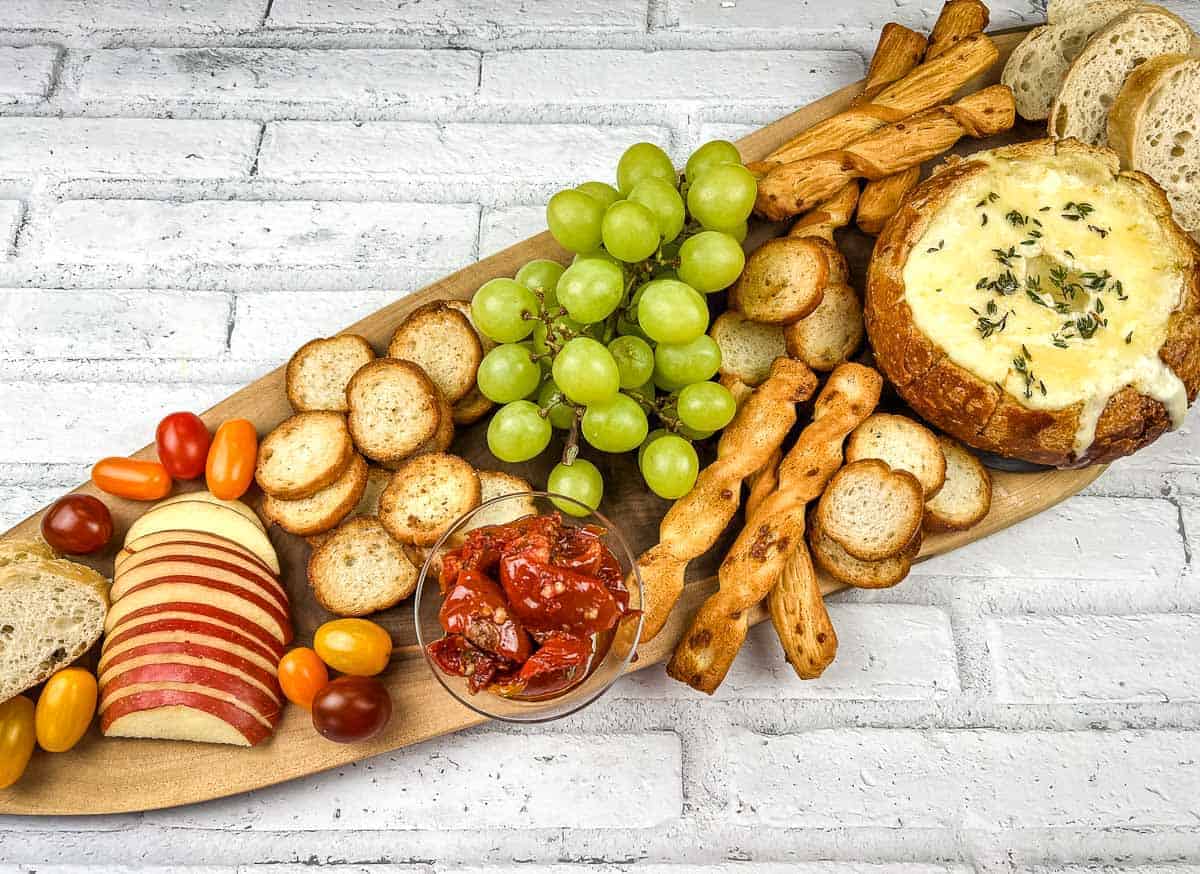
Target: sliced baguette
point(486, 343)
point(847, 569)
point(966, 497)
point(831, 333)
point(496, 484)
point(325, 509)
point(24, 551)
point(872, 511)
point(394, 408)
point(1095, 77)
point(368, 502)
point(51, 612)
point(426, 496)
point(317, 375)
point(442, 341)
point(783, 281)
point(471, 408)
point(1155, 127)
point(360, 569)
point(303, 455)
point(904, 445)
point(747, 348)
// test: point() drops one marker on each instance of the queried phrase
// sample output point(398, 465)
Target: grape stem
point(571, 449)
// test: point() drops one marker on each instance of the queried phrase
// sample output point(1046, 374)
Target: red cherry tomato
point(132, 478)
point(351, 709)
point(302, 675)
point(77, 525)
point(182, 441)
point(231, 459)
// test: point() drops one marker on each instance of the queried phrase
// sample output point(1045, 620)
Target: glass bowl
point(604, 671)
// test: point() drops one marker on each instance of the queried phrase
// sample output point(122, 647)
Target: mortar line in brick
point(262, 132)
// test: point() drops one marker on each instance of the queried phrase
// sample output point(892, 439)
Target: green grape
point(635, 360)
point(670, 466)
point(647, 391)
point(663, 200)
point(711, 154)
point(710, 261)
point(601, 192)
point(643, 161)
point(706, 406)
point(616, 425)
point(499, 309)
point(650, 438)
point(693, 434)
point(630, 231)
point(598, 255)
point(564, 328)
point(586, 372)
point(738, 231)
point(679, 365)
point(579, 480)
point(560, 411)
point(722, 196)
point(508, 373)
point(627, 327)
point(574, 220)
point(670, 311)
point(542, 275)
point(518, 432)
point(590, 289)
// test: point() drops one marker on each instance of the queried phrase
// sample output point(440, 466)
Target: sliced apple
point(187, 538)
point(190, 614)
point(242, 689)
point(184, 564)
point(190, 652)
point(214, 519)
point(200, 590)
point(169, 714)
point(209, 498)
point(181, 631)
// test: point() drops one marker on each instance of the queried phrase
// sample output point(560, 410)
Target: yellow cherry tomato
point(65, 709)
point(16, 739)
point(353, 646)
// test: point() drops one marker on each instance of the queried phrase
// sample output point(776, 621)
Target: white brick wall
point(191, 188)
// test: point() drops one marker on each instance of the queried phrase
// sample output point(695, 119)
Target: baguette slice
point(847, 569)
point(783, 281)
point(317, 375)
point(1155, 127)
point(1096, 76)
point(24, 551)
point(394, 408)
point(967, 495)
point(51, 612)
point(426, 496)
point(360, 569)
point(872, 511)
point(747, 348)
point(904, 445)
point(325, 509)
point(303, 455)
point(442, 341)
point(368, 502)
point(831, 333)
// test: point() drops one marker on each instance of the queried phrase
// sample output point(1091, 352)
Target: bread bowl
point(1061, 380)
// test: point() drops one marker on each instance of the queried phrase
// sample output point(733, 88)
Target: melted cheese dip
point(1052, 281)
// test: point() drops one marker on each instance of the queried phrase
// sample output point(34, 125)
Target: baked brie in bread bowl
point(1036, 302)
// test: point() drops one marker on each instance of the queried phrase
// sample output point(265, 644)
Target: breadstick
point(898, 51)
point(929, 84)
point(834, 213)
point(695, 521)
point(800, 618)
point(797, 186)
point(959, 19)
point(758, 556)
point(762, 482)
point(880, 199)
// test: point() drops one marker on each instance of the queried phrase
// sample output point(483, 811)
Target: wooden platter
point(112, 775)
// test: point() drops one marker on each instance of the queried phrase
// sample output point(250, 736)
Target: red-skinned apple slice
point(201, 590)
point(187, 538)
point(110, 698)
point(203, 516)
point(180, 631)
point(243, 691)
point(189, 652)
point(181, 715)
point(188, 565)
point(192, 612)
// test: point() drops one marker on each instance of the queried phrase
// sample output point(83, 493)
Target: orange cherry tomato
point(16, 739)
point(354, 646)
point(65, 709)
point(132, 478)
point(302, 675)
point(182, 440)
point(231, 459)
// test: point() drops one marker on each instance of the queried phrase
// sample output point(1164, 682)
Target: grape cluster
point(597, 347)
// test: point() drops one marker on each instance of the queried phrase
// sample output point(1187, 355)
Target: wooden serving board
point(116, 775)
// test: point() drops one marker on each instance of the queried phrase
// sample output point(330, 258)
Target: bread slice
point(1155, 127)
point(426, 496)
point(486, 343)
point(443, 342)
point(325, 509)
point(360, 569)
point(368, 502)
point(24, 551)
point(747, 348)
point(904, 445)
point(394, 408)
point(870, 510)
point(966, 497)
point(1036, 68)
point(831, 333)
point(496, 484)
point(317, 375)
point(783, 281)
point(851, 571)
point(303, 455)
point(471, 408)
point(444, 435)
point(51, 612)
point(1095, 77)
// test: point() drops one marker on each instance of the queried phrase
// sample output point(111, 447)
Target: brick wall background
point(190, 188)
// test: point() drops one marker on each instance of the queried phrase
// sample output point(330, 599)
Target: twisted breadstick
point(792, 188)
point(958, 20)
point(880, 199)
point(800, 618)
point(775, 530)
point(834, 213)
point(898, 51)
point(695, 521)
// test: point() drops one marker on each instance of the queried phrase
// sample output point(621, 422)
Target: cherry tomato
point(16, 739)
point(302, 675)
point(182, 440)
point(132, 478)
point(351, 709)
point(77, 525)
point(231, 459)
point(65, 709)
point(353, 646)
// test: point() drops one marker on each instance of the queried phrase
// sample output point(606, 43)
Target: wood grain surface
point(116, 775)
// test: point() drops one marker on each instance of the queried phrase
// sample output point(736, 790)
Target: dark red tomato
point(351, 709)
point(475, 608)
point(182, 440)
point(558, 664)
point(77, 525)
